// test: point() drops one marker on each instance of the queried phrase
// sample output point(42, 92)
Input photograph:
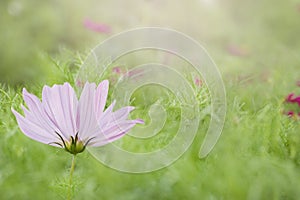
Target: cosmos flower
point(64, 121)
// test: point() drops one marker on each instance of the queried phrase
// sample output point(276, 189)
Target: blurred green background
point(256, 46)
point(228, 29)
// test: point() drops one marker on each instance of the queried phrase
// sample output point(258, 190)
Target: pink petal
point(105, 117)
point(119, 115)
point(101, 123)
point(34, 131)
point(117, 128)
point(60, 104)
point(36, 114)
point(114, 117)
point(114, 132)
point(100, 97)
point(86, 111)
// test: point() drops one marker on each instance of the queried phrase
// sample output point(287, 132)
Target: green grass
point(257, 157)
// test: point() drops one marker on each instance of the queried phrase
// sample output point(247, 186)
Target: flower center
point(73, 146)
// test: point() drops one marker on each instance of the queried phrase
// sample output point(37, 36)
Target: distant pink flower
point(62, 120)
point(117, 70)
point(298, 83)
point(79, 83)
point(290, 113)
point(135, 73)
point(236, 51)
point(298, 7)
point(97, 27)
point(198, 82)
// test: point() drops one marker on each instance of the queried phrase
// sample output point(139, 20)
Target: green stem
point(70, 180)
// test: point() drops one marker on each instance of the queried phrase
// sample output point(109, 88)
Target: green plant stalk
point(69, 197)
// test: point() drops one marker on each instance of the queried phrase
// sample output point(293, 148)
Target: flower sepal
point(74, 146)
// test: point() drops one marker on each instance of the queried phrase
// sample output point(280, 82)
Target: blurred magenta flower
point(290, 113)
point(291, 99)
point(97, 27)
point(64, 121)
